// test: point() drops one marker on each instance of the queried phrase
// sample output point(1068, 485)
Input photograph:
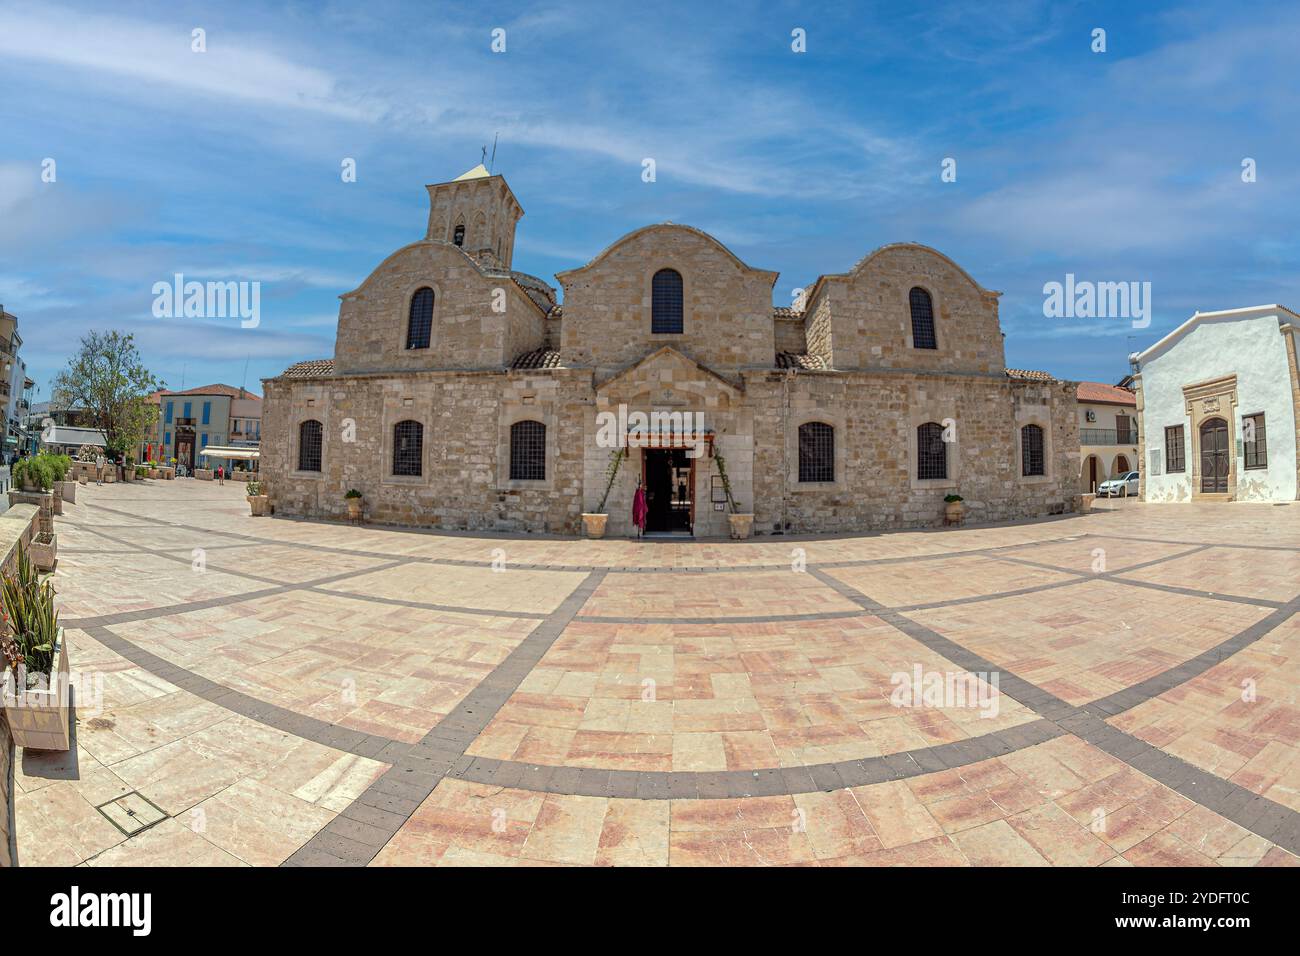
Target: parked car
point(1121, 486)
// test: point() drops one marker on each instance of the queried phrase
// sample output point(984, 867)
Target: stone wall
point(875, 417)
point(465, 417)
point(727, 306)
point(871, 319)
point(467, 331)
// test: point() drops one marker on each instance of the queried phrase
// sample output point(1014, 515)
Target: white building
point(1108, 433)
point(1219, 408)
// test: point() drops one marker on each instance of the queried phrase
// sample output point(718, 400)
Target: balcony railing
point(1107, 436)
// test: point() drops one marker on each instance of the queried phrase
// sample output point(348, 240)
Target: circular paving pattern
point(1111, 688)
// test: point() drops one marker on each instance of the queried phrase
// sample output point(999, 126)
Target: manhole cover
point(132, 813)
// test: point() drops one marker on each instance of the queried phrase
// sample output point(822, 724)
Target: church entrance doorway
point(669, 477)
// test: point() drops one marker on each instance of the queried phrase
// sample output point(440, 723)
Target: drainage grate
point(132, 813)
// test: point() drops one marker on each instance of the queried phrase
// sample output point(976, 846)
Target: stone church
point(466, 395)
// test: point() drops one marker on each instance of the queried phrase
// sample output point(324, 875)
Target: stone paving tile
point(761, 593)
point(1093, 638)
point(727, 698)
point(950, 579)
point(277, 688)
point(1239, 720)
point(1224, 570)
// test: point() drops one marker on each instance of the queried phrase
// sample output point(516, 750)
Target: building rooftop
point(1105, 394)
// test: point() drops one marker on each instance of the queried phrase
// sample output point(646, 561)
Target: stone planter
point(259, 505)
point(38, 718)
point(81, 477)
point(69, 491)
point(742, 525)
point(110, 474)
point(354, 507)
point(57, 501)
point(953, 512)
point(44, 551)
point(204, 474)
point(1083, 503)
point(128, 474)
point(167, 473)
point(240, 476)
point(593, 525)
point(153, 472)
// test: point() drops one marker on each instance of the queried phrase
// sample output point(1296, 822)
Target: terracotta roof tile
point(229, 390)
point(537, 358)
point(1108, 394)
point(800, 360)
point(1030, 374)
point(316, 368)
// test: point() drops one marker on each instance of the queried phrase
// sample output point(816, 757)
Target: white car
point(1121, 486)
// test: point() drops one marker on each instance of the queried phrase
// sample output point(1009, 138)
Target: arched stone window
point(458, 234)
point(816, 452)
point(931, 452)
point(419, 323)
point(666, 302)
point(922, 319)
point(527, 451)
point(408, 448)
point(1031, 451)
point(309, 445)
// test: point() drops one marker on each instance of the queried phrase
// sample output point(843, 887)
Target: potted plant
point(741, 522)
point(593, 522)
point(45, 550)
point(141, 472)
point(153, 469)
point(35, 691)
point(258, 503)
point(953, 509)
point(354, 500)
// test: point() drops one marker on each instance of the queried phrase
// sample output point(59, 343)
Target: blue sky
point(1122, 166)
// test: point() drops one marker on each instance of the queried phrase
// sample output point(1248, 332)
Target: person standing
point(640, 510)
point(99, 468)
point(221, 475)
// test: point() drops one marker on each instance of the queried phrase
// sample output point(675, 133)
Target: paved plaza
point(261, 691)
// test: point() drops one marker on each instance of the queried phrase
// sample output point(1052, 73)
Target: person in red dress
point(640, 510)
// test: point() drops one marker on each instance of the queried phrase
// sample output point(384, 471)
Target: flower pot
point(153, 472)
point(44, 553)
point(593, 525)
point(1083, 503)
point(38, 718)
point(952, 512)
point(259, 505)
point(110, 474)
point(168, 473)
point(742, 525)
point(354, 507)
point(128, 474)
point(81, 476)
point(69, 489)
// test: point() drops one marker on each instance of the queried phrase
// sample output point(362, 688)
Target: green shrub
point(254, 488)
point(352, 493)
point(38, 471)
point(32, 623)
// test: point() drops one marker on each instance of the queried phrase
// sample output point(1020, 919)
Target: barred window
point(1175, 450)
point(419, 324)
point(816, 452)
point(931, 452)
point(1031, 451)
point(666, 302)
point(408, 448)
point(1254, 441)
point(309, 446)
point(922, 319)
point(528, 451)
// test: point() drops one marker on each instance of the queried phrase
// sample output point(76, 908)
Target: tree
point(108, 379)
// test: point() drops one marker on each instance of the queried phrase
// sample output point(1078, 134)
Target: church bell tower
point(478, 212)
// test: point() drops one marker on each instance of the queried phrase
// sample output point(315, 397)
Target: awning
point(64, 435)
point(227, 451)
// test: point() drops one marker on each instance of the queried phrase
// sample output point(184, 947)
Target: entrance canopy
point(224, 451)
point(665, 436)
